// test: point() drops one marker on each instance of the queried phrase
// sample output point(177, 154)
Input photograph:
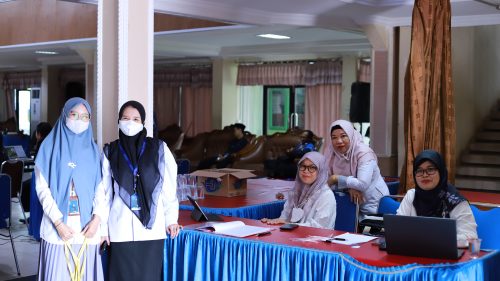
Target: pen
point(337, 239)
point(263, 233)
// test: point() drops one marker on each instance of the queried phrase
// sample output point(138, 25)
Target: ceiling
point(318, 29)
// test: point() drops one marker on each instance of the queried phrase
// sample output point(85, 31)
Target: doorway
point(283, 108)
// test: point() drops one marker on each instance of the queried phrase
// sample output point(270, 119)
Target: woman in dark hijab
point(433, 196)
point(142, 173)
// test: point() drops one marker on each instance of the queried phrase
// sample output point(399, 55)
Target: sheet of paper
point(351, 239)
point(233, 228)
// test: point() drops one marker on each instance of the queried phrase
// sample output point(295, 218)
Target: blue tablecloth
point(266, 210)
point(196, 255)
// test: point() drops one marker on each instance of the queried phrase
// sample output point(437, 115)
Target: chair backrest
point(4, 199)
point(388, 205)
point(488, 228)
point(15, 169)
point(18, 139)
point(183, 166)
point(347, 212)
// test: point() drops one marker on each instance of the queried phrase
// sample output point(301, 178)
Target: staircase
point(479, 167)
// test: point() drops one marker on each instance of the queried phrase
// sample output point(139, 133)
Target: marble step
point(477, 184)
point(485, 147)
point(479, 171)
point(476, 158)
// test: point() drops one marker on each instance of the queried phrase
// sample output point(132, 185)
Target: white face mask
point(77, 126)
point(129, 127)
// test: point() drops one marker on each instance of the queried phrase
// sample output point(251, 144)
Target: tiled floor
point(27, 249)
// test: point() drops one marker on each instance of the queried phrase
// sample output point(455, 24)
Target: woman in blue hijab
point(68, 185)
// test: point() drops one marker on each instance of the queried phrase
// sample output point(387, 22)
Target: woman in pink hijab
point(353, 166)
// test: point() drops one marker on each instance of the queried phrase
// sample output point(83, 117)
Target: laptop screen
point(15, 151)
point(421, 236)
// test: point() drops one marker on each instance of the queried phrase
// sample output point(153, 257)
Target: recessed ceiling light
point(46, 52)
point(274, 36)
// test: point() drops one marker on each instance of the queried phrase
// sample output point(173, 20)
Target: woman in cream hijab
point(311, 202)
point(353, 166)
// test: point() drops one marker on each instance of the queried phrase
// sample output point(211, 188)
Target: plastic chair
point(18, 139)
point(183, 166)
point(387, 205)
point(5, 212)
point(488, 228)
point(347, 212)
point(36, 211)
point(15, 169)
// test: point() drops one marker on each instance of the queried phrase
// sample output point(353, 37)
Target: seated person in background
point(237, 144)
point(286, 166)
point(433, 196)
point(42, 130)
point(353, 165)
point(311, 202)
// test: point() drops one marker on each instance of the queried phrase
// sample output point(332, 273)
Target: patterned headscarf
point(441, 200)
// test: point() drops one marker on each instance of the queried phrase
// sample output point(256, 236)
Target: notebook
point(421, 237)
point(199, 215)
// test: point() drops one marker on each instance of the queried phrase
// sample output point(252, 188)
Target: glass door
point(23, 108)
point(284, 108)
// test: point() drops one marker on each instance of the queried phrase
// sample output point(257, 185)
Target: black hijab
point(146, 163)
point(440, 201)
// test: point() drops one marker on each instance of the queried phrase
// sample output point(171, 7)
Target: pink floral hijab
point(358, 152)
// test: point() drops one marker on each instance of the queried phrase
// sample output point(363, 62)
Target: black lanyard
point(133, 169)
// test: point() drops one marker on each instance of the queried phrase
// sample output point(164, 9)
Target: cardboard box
point(224, 182)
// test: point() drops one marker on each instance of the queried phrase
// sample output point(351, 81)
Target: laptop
point(198, 215)
point(16, 152)
point(421, 237)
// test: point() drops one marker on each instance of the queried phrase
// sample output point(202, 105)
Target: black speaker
point(360, 102)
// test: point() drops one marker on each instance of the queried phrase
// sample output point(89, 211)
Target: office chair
point(488, 228)
point(15, 169)
point(347, 212)
point(5, 212)
point(387, 205)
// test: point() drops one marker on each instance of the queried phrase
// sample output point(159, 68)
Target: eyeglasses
point(73, 115)
point(310, 169)
point(429, 171)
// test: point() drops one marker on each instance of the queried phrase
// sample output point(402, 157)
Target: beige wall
point(476, 80)
point(462, 58)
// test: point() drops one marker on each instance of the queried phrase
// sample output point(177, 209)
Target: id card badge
point(74, 208)
point(134, 202)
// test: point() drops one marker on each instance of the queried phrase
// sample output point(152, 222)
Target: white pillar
point(124, 62)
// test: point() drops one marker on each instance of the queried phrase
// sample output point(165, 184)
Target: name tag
point(134, 203)
point(74, 208)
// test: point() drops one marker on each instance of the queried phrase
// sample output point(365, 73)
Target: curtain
point(251, 108)
point(185, 89)
point(322, 106)
point(166, 106)
point(196, 110)
point(18, 80)
point(429, 106)
point(365, 71)
point(289, 74)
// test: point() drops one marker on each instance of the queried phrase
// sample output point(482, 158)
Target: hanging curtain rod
point(496, 6)
point(286, 62)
